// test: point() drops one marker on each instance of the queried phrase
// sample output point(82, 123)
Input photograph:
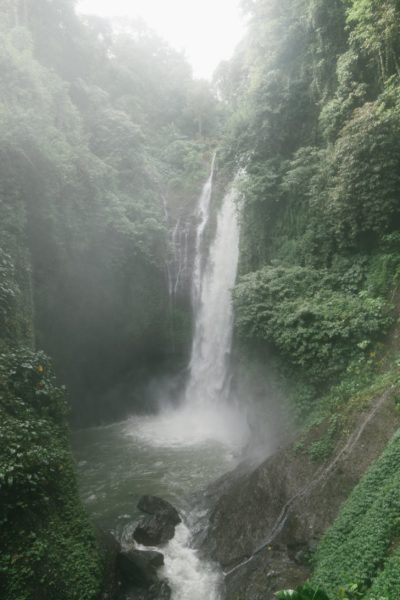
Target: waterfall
point(206, 411)
point(180, 244)
point(167, 262)
point(209, 365)
point(203, 214)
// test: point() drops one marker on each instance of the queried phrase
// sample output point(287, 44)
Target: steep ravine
point(265, 522)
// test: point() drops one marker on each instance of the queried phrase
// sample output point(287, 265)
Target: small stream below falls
point(164, 455)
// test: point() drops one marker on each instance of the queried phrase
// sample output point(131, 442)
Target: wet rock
point(152, 505)
point(139, 568)
point(160, 591)
point(159, 527)
point(156, 559)
point(154, 530)
point(264, 522)
point(109, 550)
point(268, 572)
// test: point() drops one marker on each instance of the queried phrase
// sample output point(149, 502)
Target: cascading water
point(207, 411)
point(181, 449)
point(209, 364)
point(203, 215)
point(180, 244)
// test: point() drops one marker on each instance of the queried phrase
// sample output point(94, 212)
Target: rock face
point(161, 591)
point(159, 527)
point(139, 568)
point(265, 522)
point(158, 591)
point(154, 531)
point(152, 505)
point(140, 580)
point(110, 549)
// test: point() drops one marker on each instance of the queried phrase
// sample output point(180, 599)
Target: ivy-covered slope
point(362, 546)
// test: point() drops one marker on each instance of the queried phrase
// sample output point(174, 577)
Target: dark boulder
point(139, 568)
point(154, 530)
point(159, 527)
point(109, 549)
point(152, 505)
point(160, 591)
point(156, 559)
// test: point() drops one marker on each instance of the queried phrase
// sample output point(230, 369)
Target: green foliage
point(317, 328)
point(363, 542)
point(313, 94)
point(32, 409)
point(323, 448)
point(302, 593)
point(99, 133)
point(374, 27)
point(49, 551)
point(362, 197)
point(7, 290)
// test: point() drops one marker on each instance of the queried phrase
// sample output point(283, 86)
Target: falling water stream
point(180, 450)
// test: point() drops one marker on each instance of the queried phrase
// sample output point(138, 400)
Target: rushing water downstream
point(181, 450)
point(119, 463)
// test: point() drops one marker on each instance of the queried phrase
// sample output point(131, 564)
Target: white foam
point(191, 426)
point(189, 577)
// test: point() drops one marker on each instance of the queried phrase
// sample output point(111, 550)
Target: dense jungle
point(199, 300)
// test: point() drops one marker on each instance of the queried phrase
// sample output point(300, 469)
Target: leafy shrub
point(302, 593)
point(363, 198)
point(362, 544)
point(318, 328)
point(7, 290)
point(49, 551)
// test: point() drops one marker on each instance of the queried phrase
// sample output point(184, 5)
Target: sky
point(207, 31)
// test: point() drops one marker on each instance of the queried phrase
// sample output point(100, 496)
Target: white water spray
point(203, 215)
point(209, 365)
point(206, 411)
point(189, 577)
point(207, 408)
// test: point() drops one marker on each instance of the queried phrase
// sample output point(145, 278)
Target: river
point(165, 456)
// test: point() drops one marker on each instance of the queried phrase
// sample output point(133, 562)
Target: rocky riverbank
point(265, 521)
point(134, 572)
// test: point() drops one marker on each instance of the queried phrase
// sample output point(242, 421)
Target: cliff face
point(266, 522)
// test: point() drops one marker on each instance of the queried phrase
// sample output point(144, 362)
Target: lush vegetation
point(315, 326)
point(313, 94)
point(362, 545)
point(48, 548)
point(99, 131)
point(104, 137)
